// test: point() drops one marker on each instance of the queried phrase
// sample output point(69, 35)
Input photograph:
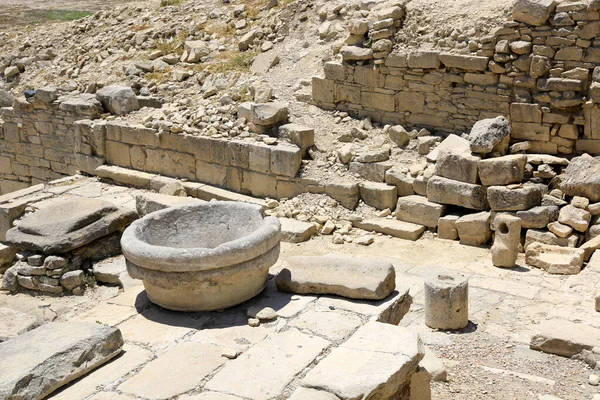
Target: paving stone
point(351, 277)
point(132, 358)
point(374, 363)
point(555, 259)
point(232, 331)
point(332, 325)
point(296, 231)
point(565, 338)
point(158, 328)
point(400, 229)
point(108, 314)
point(175, 372)
point(270, 366)
point(210, 396)
point(312, 394)
point(109, 396)
point(40, 361)
point(286, 305)
point(13, 323)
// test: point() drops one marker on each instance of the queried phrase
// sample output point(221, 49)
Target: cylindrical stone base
point(447, 301)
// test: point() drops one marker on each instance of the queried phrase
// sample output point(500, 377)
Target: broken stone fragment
point(490, 135)
point(575, 217)
point(533, 12)
point(351, 277)
point(119, 100)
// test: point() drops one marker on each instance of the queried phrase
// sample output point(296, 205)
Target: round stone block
point(446, 300)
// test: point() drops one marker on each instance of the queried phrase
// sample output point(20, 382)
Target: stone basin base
point(206, 290)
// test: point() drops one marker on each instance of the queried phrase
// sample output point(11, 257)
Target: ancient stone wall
point(50, 138)
point(539, 77)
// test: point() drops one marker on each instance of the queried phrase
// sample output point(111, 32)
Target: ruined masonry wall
point(539, 77)
point(41, 142)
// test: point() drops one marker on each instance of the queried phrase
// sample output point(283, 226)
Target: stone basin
point(202, 257)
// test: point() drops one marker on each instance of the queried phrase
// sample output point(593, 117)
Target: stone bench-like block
point(202, 257)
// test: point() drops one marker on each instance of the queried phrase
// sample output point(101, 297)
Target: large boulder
point(533, 12)
point(582, 178)
point(490, 135)
point(117, 99)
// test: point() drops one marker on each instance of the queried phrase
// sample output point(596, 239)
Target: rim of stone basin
point(135, 246)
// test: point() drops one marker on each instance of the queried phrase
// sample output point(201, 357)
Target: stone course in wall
point(543, 78)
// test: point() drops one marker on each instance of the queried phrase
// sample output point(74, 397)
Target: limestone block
point(50, 357)
point(506, 240)
point(446, 300)
point(350, 277)
point(545, 237)
point(420, 389)
point(299, 135)
point(474, 229)
point(575, 217)
point(447, 227)
point(448, 191)
point(378, 195)
point(533, 12)
point(400, 229)
point(590, 247)
point(560, 230)
point(295, 231)
point(147, 203)
point(347, 194)
point(285, 160)
point(555, 259)
point(117, 99)
point(464, 62)
point(403, 182)
point(530, 131)
point(582, 178)
point(451, 142)
point(194, 50)
point(14, 323)
point(434, 366)
point(354, 53)
point(419, 210)
point(564, 338)
point(424, 59)
point(502, 170)
point(538, 217)
point(376, 362)
point(505, 198)
point(490, 135)
point(371, 171)
point(458, 164)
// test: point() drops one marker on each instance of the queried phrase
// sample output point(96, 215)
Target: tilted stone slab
point(341, 275)
point(40, 361)
point(400, 229)
point(68, 224)
point(377, 362)
point(564, 338)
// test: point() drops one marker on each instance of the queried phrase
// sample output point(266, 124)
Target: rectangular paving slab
point(264, 371)
point(40, 361)
point(564, 338)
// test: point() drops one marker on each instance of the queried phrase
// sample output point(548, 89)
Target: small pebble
point(594, 380)
point(253, 322)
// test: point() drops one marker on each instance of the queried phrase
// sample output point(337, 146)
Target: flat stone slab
point(564, 338)
point(175, 372)
point(266, 369)
point(294, 231)
point(13, 323)
point(40, 361)
point(400, 229)
point(376, 362)
point(351, 277)
point(147, 203)
point(68, 224)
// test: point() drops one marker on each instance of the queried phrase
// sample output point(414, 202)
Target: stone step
point(378, 361)
point(419, 210)
point(400, 229)
point(40, 361)
point(351, 277)
point(564, 338)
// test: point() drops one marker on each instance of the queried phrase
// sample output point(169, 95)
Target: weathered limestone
point(474, 229)
point(194, 50)
point(117, 99)
point(13, 323)
point(337, 274)
point(550, 238)
point(40, 361)
point(447, 227)
point(564, 338)
point(150, 202)
point(533, 12)
point(506, 240)
point(575, 217)
point(400, 229)
point(419, 210)
point(376, 362)
point(538, 217)
point(582, 178)
point(458, 164)
point(447, 191)
point(68, 224)
point(490, 135)
point(229, 248)
point(295, 231)
point(378, 195)
point(446, 300)
point(555, 259)
point(507, 198)
point(502, 170)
